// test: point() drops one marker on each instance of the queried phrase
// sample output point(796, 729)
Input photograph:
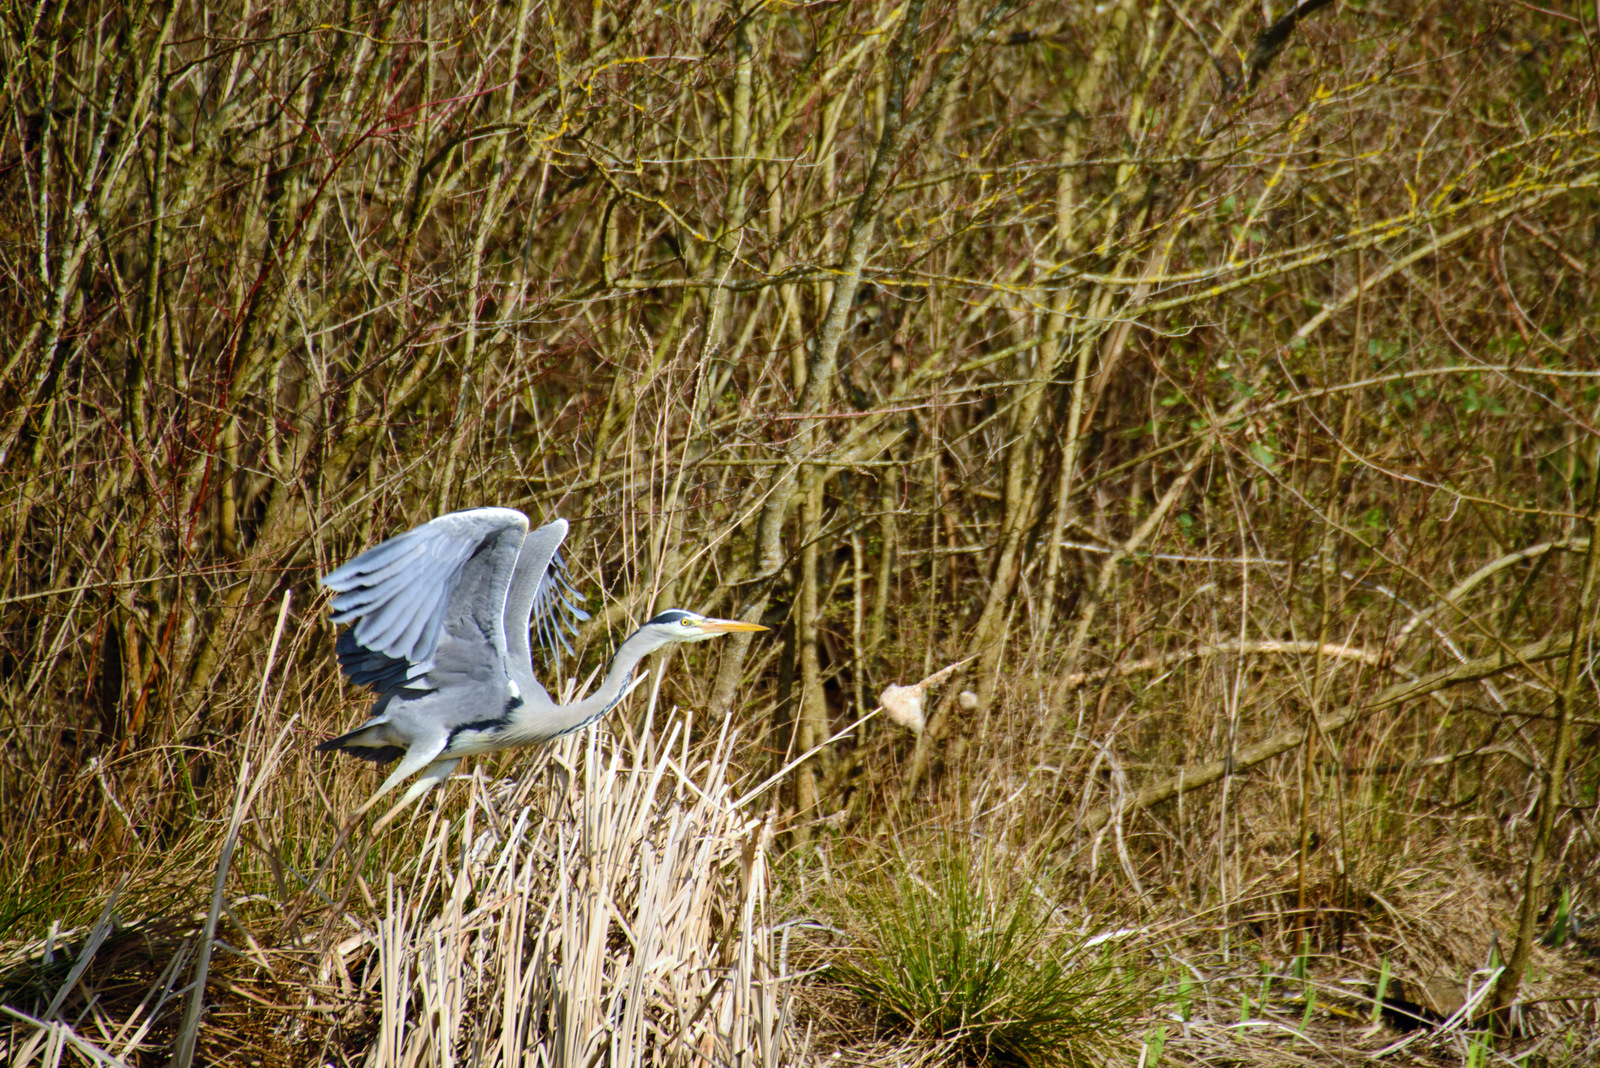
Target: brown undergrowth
point(1212, 386)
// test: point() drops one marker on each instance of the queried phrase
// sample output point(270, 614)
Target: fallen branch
point(1196, 776)
point(1493, 567)
point(1245, 648)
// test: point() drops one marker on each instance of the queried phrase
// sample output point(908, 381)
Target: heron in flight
point(441, 617)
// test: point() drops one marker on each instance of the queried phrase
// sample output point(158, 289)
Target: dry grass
point(622, 918)
point(613, 908)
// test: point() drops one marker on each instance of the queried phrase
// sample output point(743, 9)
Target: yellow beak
point(721, 626)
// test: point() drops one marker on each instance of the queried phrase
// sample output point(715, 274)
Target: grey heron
point(441, 617)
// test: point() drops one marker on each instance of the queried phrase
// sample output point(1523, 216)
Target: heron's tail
point(364, 742)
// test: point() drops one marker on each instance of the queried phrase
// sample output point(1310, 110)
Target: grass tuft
point(959, 947)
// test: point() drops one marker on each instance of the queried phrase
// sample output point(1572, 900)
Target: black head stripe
point(671, 615)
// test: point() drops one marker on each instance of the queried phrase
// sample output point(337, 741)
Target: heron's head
point(677, 625)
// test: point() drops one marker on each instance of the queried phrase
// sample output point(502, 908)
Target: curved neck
point(619, 673)
point(534, 722)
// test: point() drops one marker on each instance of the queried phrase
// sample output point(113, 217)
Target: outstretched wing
point(444, 581)
point(555, 607)
point(542, 596)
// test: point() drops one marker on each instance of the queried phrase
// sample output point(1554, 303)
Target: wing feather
point(421, 605)
point(541, 596)
point(366, 580)
point(387, 629)
point(555, 607)
point(386, 560)
point(398, 595)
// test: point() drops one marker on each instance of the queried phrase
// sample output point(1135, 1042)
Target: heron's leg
point(419, 756)
point(431, 776)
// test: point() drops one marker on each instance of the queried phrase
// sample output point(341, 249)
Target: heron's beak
point(725, 626)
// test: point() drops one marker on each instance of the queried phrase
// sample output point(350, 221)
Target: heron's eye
point(687, 622)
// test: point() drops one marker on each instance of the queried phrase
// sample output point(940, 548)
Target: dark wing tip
point(367, 667)
point(377, 754)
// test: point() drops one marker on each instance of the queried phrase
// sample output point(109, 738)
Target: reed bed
point(621, 917)
point(615, 909)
